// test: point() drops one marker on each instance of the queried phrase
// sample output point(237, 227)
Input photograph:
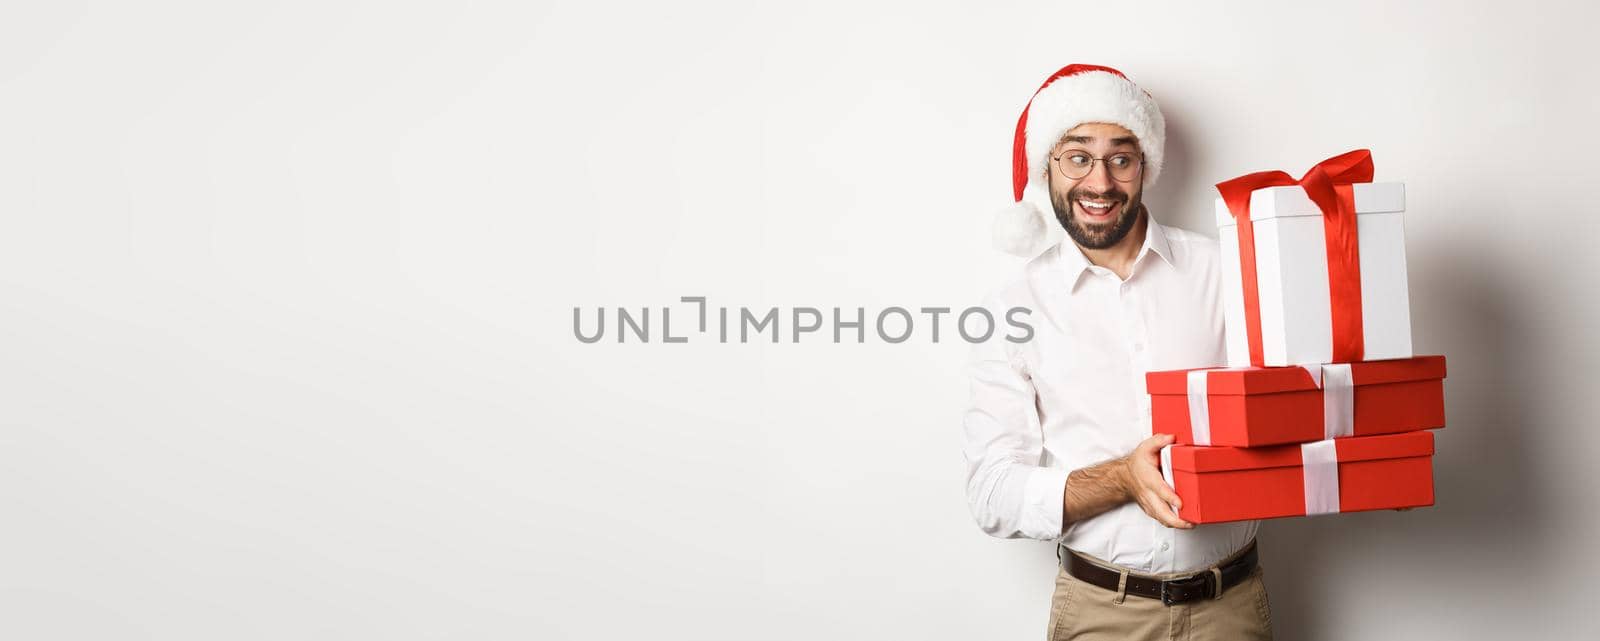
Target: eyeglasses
point(1075, 164)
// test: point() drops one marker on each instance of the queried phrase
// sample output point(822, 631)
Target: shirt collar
point(1075, 264)
point(1155, 239)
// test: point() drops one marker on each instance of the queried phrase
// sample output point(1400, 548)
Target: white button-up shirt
point(1074, 395)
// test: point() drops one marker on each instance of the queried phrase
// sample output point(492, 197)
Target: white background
point(287, 294)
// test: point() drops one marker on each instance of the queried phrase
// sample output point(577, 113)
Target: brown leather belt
point(1201, 585)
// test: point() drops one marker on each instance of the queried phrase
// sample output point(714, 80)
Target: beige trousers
point(1085, 612)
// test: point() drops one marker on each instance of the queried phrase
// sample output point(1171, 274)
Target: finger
point(1155, 483)
point(1174, 503)
point(1156, 442)
point(1163, 513)
point(1169, 497)
point(1149, 460)
point(1176, 522)
point(1171, 520)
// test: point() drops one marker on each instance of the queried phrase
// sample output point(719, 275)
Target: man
point(1058, 441)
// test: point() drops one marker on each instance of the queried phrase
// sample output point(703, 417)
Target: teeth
point(1091, 205)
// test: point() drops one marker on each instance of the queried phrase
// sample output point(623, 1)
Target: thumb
point(1158, 441)
point(1150, 448)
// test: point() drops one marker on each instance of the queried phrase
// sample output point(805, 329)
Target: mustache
point(1113, 195)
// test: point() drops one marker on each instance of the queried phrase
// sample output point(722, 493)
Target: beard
point(1096, 236)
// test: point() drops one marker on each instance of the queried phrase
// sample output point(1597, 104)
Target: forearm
point(1095, 489)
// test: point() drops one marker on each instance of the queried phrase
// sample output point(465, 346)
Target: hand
point(1143, 483)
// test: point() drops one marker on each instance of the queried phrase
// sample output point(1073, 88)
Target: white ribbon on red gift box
point(1199, 407)
point(1320, 459)
point(1166, 471)
point(1338, 387)
point(1338, 401)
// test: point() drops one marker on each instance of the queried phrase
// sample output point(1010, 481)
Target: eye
point(1121, 161)
point(1077, 159)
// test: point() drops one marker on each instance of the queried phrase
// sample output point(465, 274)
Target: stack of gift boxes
point(1323, 407)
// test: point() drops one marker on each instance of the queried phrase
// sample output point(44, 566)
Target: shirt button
point(1163, 547)
point(1138, 347)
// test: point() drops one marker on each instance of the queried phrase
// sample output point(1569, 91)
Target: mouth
point(1097, 211)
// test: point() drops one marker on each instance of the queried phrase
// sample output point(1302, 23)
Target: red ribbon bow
point(1328, 185)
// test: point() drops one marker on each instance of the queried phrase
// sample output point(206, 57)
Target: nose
point(1099, 178)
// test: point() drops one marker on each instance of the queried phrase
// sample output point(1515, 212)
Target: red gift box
point(1337, 475)
point(1256, 406)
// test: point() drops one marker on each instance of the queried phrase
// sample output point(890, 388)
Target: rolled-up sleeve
point(1009, 493)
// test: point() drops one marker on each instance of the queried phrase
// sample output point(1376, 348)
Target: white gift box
point(1292, 276)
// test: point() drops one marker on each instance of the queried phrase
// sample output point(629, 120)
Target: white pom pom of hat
point(1018, 228)
point(1073, 95)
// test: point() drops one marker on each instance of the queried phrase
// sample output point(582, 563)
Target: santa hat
point(1070, 97)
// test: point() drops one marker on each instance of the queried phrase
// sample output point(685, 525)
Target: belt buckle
point(1166, 594)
